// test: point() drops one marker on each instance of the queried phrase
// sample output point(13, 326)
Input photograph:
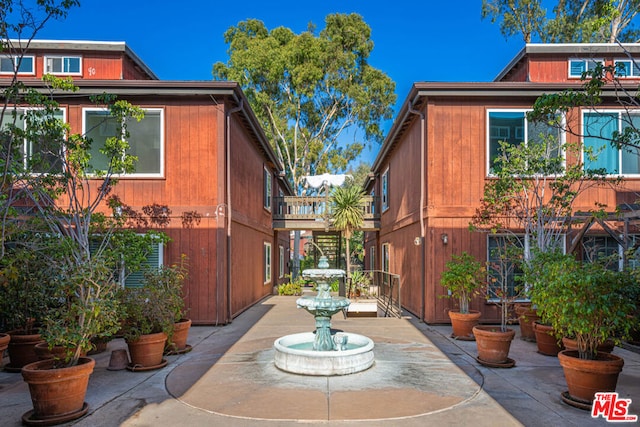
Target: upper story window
point(71, 65)
point(268, 191)
point(146, 140)
point(579, 66)
point(627, 68)
point(513, 127)
point(385, 190)
point(32, 146)
point(599, 128)
point(10, 64)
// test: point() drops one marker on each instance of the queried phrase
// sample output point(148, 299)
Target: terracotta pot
point(147, 351)
point(57, 394)
point(526, 317)
point(571, 344)
point(586, 377)
point(493, 344)
point(547, 342)
point(4, 343)
point(57, 352)
point(22, 349)
point(463, 323)
point(178, 340)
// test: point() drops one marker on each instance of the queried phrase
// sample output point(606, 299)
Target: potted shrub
point(494, 342)
point(149, 314)
point(591, 303)
point(463, 277)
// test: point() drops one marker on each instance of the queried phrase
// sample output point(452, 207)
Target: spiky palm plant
point(347, 214)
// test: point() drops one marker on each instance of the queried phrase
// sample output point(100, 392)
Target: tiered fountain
point(323, 352)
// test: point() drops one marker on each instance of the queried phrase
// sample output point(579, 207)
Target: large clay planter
point(22, 350)
point(146, 352)
point(4, 343)
point(493, 345)
point(178, 341)
point(463, 323)
point(586, 377)
point(526, 317)
point(546, 340)
point(57, 394)
point(571, 344)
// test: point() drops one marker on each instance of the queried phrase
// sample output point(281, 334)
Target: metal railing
point(316, 207)
point(382, 286)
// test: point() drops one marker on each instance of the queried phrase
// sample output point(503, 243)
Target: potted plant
point(464, 277)
point(149, 314)
point(592, 304)
point(494, 342)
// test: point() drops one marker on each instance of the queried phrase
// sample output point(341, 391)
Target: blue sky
point(423, 40)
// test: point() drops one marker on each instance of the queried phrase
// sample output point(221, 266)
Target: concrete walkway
point(420, 377)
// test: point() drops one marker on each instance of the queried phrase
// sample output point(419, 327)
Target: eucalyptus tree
point(570, 21)
point(317, 97)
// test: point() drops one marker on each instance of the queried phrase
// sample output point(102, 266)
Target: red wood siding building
point(209, 157)
point(434, 162)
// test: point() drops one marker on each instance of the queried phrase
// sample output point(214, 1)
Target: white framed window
point(268, 190)
point(512, 126)
point(11, 64)
point(599, 127)
point(386, 257)
point(41, 152)
point(67, 65)
point(578, 66)
point(385, 190)
point(267, 263)
point(281, 262)
point(626, 68)
point(502, 273)
point(146, 139)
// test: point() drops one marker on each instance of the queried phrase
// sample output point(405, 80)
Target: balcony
point(314, 212)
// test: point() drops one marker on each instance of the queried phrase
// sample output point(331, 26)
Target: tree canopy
point(571, 21)
point(316, 96)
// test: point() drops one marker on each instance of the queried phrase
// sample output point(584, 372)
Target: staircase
point(330, 245)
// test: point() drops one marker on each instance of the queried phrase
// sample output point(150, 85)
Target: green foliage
point(464, 277)
point(584, 300)
point(292, 287)
point(347, 214)
point(574, 21)
point(504, 288)
point(156, 305)
point(360, 284)
point(306, 89)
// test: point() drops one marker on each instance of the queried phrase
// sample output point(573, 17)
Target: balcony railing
point(314, 212)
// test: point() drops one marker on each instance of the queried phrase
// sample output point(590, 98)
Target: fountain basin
point(294, 353)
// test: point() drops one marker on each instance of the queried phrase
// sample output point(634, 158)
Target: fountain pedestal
point(320, 352)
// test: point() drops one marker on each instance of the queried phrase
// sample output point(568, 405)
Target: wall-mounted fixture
point(445, 238)
point(417, 241)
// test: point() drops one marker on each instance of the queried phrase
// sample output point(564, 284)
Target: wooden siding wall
point(192, 182)
point(555, 68)
point(251, 223)
point(456, 175)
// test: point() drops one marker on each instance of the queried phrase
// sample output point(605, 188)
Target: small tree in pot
point(591, 303)
point(464, 277)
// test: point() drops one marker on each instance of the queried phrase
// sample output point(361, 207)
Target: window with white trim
point(281, 262)
point(514, 128)
point(67, 65)
point(372, 258)
point(39, 152)
point(385, 257)
point(153, 261)
point(267, 263)
point(599, 128)
point(626, 68)
point(579, 66)
point(385, 190)
point(11, 64)
point(267, 189)
point(146, 139)
point(502, 272)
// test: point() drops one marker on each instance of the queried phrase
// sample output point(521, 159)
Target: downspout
point(229, 210)
point(421, 213)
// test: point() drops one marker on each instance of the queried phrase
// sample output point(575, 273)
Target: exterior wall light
point(445, 238)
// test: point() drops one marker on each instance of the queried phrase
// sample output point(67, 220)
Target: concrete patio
point(420, 377)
